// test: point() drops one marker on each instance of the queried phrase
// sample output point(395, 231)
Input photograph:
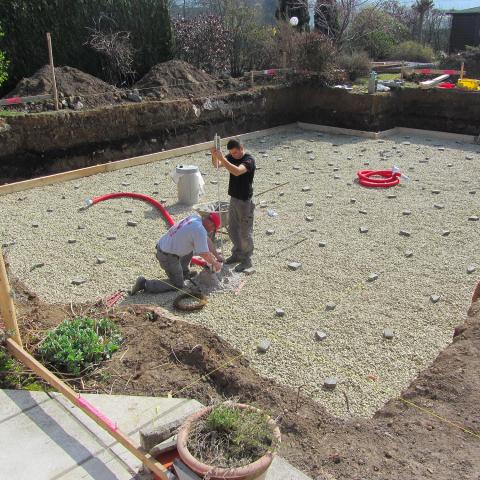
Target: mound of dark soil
point(178, 79)
point(72, 84)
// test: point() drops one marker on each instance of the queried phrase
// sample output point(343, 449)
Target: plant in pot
point(230, 441)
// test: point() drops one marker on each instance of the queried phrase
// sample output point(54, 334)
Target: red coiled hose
point(144, 198)
point(369, 178)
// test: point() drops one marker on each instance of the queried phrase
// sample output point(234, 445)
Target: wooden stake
point(20, 354)
point(7, 308)
point(252, 78)
point(462, 70)
point(52, 67)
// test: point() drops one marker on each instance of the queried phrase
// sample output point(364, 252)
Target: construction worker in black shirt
point(241, 167)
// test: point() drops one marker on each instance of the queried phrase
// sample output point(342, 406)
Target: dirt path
point(162, 354)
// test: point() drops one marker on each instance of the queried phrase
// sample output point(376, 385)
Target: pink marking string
point(84, 403)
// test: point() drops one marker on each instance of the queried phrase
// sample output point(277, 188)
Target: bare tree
point(116, 49)
point(422, 7)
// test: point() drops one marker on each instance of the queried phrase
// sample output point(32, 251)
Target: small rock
point(49, 210)
point(311, 172)
point(388, 333)
point(263, 204)
point(469, 157)
point(81, 227)
point(213, 182)
point(391, 195)
point(306, 188)
point(111, 237)
point(249, 271)
point(279, 312)
point(132, 223)
point(296, 167)
point(353, 200)
point(72, 240)
point(100, 260)
point(281, 194)
point(329, 195)
point(406, 212)
point(309, 203)
point(37, 265)
point(445, 233)
point(309, 151)
point(472, 192)
point(270, 232)
point(125, 184)
point(35, 225)
point(264, 346)
point(442, 149)
point(76, 187)
point(363, 212)
point(406, 143)
point(78, 281)
point(320, 336)
point(322, 243)
point(434, 298)
point(349, 158)
point(128, 210)
point(405, 233)
point(449, 164)
point(473, 218)
point(408, 253)
point(337, 177)
point(330, 383)
point(294, 265)
point(471, 269)
point(363, 230)
point(309, 219)
point(439, 206)
point(372, 277)
point(435, 192)
point(330, 306)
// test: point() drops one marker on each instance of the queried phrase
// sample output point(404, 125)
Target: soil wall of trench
point(42, 144)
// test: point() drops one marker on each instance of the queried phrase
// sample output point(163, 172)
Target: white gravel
point(369, 368)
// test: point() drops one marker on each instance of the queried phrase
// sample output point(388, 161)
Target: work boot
point(139, 285)
point(232, 259)
point(243, 265)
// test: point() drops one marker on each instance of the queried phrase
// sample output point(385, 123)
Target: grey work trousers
point(240, 227)
point(176, 269)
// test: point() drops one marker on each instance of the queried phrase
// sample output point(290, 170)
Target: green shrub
point(4, 63)
point(412, 52)
point(78, 345)
point(356, 64)
point(312, 51)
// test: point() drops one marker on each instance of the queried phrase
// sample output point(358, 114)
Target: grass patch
point(10, 113)
point(13, 374)
point(230, 437)
point(76, 346)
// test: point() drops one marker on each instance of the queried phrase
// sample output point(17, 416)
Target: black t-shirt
point(241, 187)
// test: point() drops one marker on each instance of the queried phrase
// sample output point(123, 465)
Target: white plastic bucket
point(189, 184)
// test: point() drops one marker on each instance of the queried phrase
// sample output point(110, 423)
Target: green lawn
point(361, 84)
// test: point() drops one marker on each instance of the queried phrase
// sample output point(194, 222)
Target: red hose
point(145, 198)
point(388, 178)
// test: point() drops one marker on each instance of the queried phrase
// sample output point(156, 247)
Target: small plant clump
point(230, 437)
point(78, 345)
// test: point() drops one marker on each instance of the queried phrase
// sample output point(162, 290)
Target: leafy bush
point(312, 51)
point(376, 32)
point(4, 63)
point(356, 64)
point(413, 52)
point(25, 23)
point(78, 345)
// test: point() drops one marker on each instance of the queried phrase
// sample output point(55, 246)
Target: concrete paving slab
point(62, 443)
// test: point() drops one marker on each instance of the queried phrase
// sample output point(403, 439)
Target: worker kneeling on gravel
point(176, 249)
point(241, 166)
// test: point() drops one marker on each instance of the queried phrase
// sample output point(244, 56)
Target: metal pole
point(7, 307)
point(52, 67)
point(218, 147)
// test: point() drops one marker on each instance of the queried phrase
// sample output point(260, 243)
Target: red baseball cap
point(215, 218)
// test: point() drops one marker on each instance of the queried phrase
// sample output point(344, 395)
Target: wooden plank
point(7, 307)
point(21, 355)
point(20, 100)
point(337, 130)
point(126, 163)
point(52, 70)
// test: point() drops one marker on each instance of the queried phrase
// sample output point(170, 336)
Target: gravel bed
point(420, 289)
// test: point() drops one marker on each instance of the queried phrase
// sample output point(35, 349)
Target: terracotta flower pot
point(255, 470)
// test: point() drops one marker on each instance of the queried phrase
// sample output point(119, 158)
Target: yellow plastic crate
point(469, 84)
